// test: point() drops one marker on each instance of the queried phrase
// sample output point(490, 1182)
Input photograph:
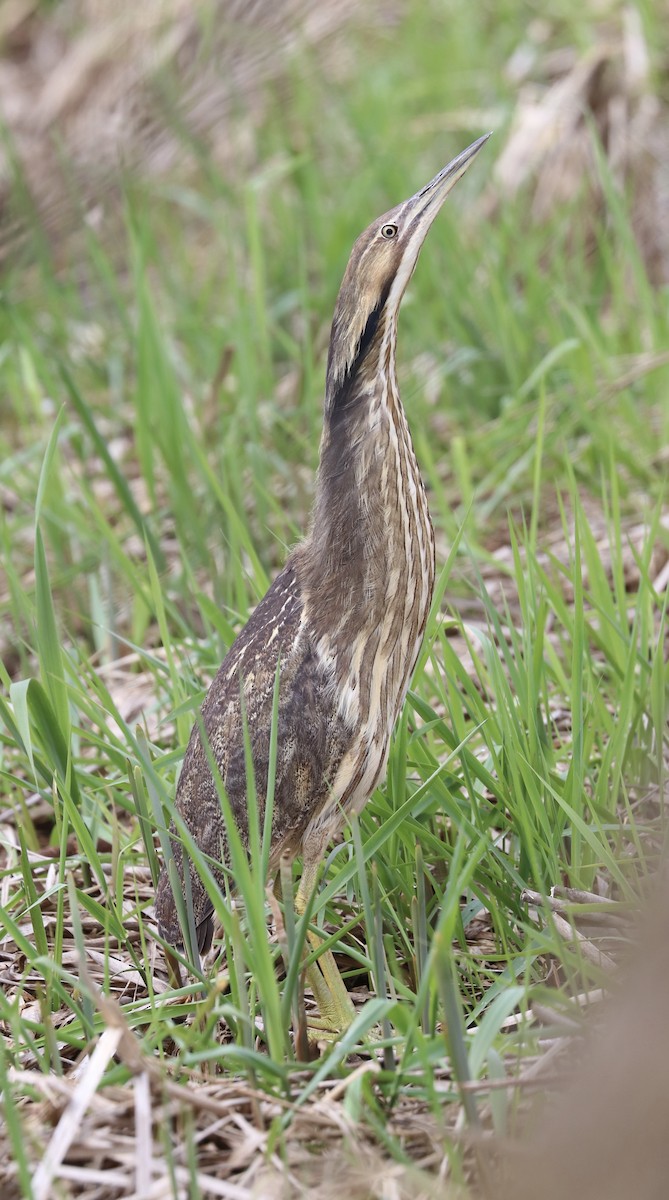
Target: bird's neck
point(371, 536)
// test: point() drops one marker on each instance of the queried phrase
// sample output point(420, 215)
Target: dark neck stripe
point(345, 392)
point(366, 337)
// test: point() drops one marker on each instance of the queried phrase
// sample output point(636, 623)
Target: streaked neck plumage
point(366, 570)
point(370, 553)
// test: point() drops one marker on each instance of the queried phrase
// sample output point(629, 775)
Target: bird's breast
point(373, 653)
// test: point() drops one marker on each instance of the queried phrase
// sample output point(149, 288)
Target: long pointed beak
point(430, 198)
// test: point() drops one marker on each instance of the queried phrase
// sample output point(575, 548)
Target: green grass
point(161, 414)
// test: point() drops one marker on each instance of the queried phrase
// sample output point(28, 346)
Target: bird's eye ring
point(388, 231)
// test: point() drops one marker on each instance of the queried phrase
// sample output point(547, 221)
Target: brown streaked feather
point(311, 740)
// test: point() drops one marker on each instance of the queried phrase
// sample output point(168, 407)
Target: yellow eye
point(388, 231)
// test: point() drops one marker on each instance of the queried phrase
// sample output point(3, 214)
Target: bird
point(342, 623)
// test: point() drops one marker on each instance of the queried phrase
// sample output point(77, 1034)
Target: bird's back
point(312, 738)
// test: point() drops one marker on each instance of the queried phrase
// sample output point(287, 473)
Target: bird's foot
point(335, 1009)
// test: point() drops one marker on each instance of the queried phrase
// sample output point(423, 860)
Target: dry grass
point(92, 93)
point(562, 96)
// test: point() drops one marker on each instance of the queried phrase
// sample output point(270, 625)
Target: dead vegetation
point(566, 95)
point(93, 92)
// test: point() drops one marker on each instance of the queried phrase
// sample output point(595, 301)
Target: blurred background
point(180, 185)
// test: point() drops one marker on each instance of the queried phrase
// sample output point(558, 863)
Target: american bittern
point(345, 617)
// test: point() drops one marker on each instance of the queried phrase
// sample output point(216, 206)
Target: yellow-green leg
point(330, 993)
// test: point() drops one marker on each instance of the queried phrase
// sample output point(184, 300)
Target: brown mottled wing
point(311, 740)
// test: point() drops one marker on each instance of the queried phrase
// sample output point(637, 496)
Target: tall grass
point(159, 440)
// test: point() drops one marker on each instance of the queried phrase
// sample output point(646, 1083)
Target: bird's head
point(381, 264)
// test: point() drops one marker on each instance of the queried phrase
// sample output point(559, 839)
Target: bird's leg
point(330, 992)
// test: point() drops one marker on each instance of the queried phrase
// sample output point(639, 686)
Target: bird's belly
point(370, 661)
point(359, 772)
point(364, 762)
